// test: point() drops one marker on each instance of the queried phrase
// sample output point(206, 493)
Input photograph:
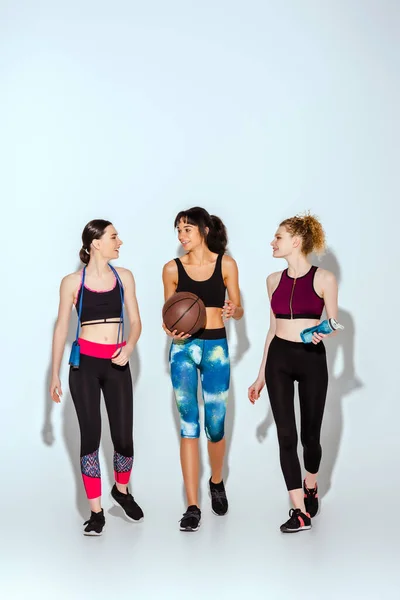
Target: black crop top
point(211, 291)
point(98, 306)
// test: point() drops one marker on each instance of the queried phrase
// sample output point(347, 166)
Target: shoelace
point(293, 514)
point(191, 514)
point(92, 521)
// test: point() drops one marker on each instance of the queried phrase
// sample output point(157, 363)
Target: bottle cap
point(335, 324)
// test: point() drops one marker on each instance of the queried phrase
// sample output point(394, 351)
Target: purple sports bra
point(296, 298)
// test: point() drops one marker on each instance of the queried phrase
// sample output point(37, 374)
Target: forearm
point(261, 373)
point(134, 334)
point(59, 339)
point(238, 313)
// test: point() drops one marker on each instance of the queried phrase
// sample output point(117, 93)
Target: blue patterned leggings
point(211, 359)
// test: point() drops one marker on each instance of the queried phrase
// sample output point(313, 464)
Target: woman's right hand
point(255, 390)
point(173, 334)
point(55, 389)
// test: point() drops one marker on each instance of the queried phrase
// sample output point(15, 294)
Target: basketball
point(184, 312)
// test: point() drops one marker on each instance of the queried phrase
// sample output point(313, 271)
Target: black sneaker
point(298, 521)
point(94, 526)
point(311, 499)
point(191, 519)
point(132, 510)
point(219, 502)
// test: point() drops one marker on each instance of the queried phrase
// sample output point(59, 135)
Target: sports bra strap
point(80, 303)
point(121, 291)
point(181, 270)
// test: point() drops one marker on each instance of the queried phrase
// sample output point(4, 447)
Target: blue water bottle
point(326, 326)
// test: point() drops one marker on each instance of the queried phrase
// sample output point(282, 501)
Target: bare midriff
point(214, 318)
point(289, 329)
point(102, 333)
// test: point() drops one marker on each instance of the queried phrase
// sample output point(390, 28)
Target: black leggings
point(93, 376)
point(288, 362)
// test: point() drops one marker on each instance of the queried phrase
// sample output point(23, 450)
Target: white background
point(255, 110)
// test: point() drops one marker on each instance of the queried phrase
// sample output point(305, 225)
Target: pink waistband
point(98, 350)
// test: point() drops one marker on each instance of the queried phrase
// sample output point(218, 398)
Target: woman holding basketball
point(298, 296)
point(206, 271)
point(100, 292)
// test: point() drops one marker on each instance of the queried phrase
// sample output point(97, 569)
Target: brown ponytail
point(84, 255)
point(94, 230)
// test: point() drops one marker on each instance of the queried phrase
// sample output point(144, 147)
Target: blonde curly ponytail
point(309, 228)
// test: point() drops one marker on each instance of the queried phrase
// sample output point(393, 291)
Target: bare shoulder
point(325, 277)
point(122, 270)
point(170, 268)
point(70, 285)
point(228, 260)
point(273, 279)
point(229, 264)
point(125, 274)
point(72, 280)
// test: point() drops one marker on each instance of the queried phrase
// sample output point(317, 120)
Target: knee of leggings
point(190, 429)
point(287, 440)
point(216, 433)
point(310, 441)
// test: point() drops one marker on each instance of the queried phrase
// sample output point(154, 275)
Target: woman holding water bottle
point(298, 296)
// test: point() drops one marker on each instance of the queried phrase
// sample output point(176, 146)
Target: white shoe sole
point(190, 530)
point(93, 533)
point(305, 528)
point(217, 514)
point(113, 500)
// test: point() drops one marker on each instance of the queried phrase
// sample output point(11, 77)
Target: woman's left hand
point(229, 309)
point(318, 337)
point(121, 356)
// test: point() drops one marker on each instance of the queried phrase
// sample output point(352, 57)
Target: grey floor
point(351, 551)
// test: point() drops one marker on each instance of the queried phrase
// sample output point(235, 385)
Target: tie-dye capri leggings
point(211, 358)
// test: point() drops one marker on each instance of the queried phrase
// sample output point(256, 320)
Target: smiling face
point(284, 244)
point(189, 235)
point(109, 244)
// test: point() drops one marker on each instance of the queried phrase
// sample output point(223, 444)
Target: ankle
point(310, 484)
point(122, 488)
point(216, 480)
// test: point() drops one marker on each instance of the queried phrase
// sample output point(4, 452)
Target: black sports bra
point(211, 291)
point(99, 306)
